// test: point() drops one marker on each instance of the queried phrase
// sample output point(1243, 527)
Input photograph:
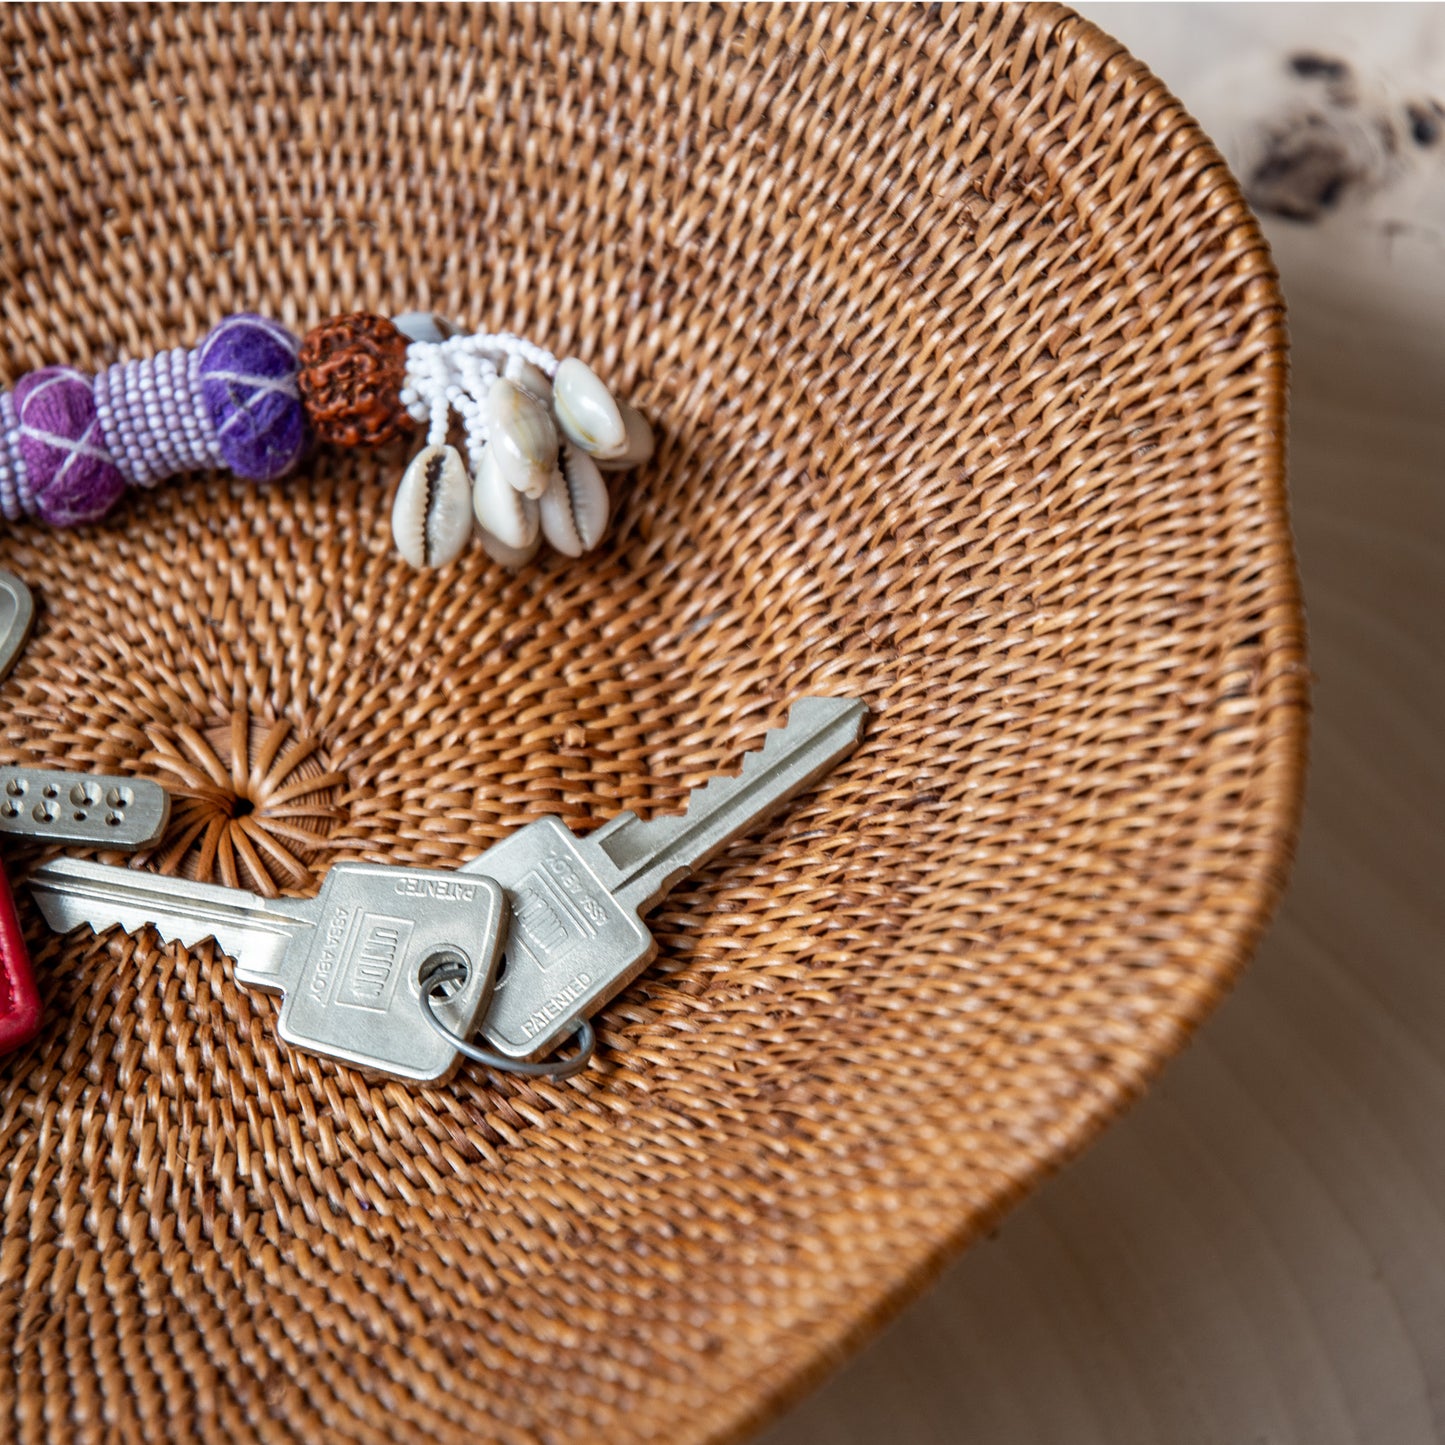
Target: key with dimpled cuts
point(124, 813)
point(576, 935)
point(349, 962)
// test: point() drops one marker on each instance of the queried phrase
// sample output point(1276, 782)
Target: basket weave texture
point(967, 363)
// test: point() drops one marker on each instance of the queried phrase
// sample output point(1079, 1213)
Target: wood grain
point(1257, 1254)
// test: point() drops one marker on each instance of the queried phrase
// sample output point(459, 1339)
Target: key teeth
point(52, 909)
point(171, 935)
point(817, 713)
point(61, 919)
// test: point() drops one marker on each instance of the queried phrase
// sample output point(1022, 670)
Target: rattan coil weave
point(967, 362)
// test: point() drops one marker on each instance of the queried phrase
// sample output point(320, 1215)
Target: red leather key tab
point(19, 1000)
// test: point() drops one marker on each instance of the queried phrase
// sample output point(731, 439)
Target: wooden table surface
point(1256, 1255)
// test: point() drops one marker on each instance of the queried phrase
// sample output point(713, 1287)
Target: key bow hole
point(444, 974)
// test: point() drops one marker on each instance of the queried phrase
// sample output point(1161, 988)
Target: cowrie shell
point(574, 507)
point(639, 446)
point(532, 379)
point(431, 518)
point(500, 508)
point(586, 410)
point(522, 436)
point(509, 557)
point(424, 326)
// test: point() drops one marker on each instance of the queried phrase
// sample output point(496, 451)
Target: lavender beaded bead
point(246, 370)
point(69, 473)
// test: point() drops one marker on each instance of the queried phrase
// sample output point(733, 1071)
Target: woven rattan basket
point(968, 366)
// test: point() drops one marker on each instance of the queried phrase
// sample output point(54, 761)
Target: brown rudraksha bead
point(352, 371)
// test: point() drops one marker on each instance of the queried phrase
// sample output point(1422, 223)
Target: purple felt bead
point(246, 369)
point(71, 475)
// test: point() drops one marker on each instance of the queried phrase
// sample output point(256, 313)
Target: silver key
point(125, 813)
point(17, 617)
point(576, 937)
point(349, 962)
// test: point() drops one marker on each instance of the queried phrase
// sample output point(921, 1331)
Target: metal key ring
point(456, 972)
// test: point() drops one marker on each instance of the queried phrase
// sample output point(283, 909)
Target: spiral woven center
point(251, 800)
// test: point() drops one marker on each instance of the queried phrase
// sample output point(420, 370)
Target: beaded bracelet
point(251, 397)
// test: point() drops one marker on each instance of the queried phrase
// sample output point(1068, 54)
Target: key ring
point(456, 972)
